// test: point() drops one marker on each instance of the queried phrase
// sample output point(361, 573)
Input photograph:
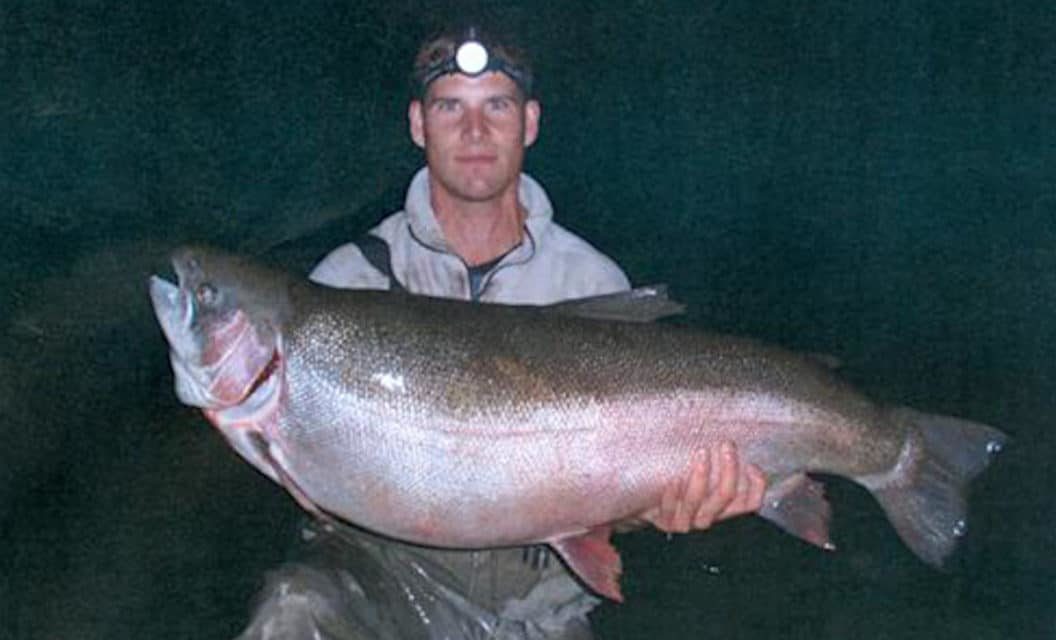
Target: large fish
point(453, 424)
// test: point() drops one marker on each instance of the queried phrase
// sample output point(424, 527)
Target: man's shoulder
point(391, 225)
point(571, 246)
point(339, 267)
point(347, 267)
point(583, 262)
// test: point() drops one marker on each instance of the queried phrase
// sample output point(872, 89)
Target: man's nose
point(475, 125)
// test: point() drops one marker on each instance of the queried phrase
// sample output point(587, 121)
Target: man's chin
point(480, 191)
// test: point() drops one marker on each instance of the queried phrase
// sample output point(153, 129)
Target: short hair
point(436, 56)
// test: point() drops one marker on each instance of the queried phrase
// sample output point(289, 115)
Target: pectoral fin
point(591, 557)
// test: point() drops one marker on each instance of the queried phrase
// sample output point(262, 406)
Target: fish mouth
point(174, 309)
point(172, 300)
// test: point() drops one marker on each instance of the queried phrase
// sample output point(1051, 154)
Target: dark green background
point(873, 180)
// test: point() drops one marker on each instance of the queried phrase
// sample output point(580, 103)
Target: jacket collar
point(426, 229)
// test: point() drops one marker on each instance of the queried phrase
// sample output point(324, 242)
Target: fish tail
point(924, 494)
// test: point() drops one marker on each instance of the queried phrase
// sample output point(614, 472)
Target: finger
point(757, 488)
point(696, 488)
point(751, 485)
point(690, 493)
point(739, 503)
point(722, 484)
point(668, 506)
point(730, 473)
point(667, 516)
point(734, 506)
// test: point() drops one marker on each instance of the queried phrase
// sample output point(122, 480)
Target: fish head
point(222, 319)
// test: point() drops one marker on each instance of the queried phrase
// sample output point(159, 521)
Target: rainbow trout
point(462, 425)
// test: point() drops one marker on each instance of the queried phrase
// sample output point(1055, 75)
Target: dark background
point(872, 180)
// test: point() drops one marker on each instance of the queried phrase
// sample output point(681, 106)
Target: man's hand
point(718, 486)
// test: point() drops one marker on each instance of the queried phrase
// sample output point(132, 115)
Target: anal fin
point(797, 505)
point(592, 557)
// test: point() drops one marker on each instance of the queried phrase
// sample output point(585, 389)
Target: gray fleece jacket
point(551, 264)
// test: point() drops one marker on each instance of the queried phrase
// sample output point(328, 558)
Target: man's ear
point(532, 111)
point(416, 122)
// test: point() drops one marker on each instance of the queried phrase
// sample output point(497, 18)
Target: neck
point(479, 232)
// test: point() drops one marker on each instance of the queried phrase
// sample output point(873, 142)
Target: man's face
point(474, 131)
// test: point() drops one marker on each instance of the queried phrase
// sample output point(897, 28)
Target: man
point(473, 227)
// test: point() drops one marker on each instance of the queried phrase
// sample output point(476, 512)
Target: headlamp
point(473, 58)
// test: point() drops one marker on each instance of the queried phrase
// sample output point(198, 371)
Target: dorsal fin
point(641, 304)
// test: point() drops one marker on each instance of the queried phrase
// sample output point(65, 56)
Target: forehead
point(486, 85)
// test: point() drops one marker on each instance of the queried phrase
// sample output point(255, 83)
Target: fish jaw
point(218, 356)
point(171, 307)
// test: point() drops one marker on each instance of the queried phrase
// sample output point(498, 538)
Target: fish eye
point(206, 294)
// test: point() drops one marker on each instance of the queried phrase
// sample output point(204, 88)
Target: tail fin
point(924, 494)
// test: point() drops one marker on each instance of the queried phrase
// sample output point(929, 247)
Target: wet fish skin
point(453, 424)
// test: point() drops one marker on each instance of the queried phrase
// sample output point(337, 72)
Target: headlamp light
point(471, 58)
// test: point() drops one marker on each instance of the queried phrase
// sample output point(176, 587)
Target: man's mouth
point(476, 158)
